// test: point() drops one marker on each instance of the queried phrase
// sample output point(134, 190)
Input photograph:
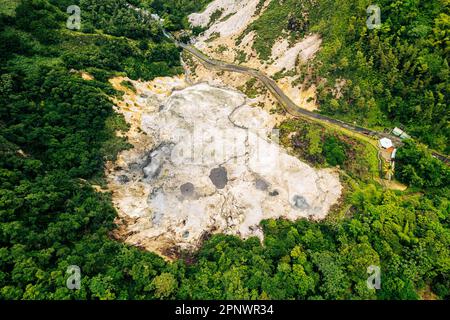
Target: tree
point(165, 285)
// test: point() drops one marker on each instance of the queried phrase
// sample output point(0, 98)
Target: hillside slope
point(58, 129)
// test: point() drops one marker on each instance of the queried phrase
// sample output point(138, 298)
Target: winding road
point(285, 101)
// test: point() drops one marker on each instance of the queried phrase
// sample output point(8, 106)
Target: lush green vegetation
point(280, 19)
point(329, 261)
point(8, 7)
point(322, 147)
point(419, 168)
point(397, 75)
point(57, 130)
point(175, 12)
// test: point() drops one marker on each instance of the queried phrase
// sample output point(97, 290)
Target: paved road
point(285, 101)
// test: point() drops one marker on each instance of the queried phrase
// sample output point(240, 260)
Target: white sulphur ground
point(206, 162)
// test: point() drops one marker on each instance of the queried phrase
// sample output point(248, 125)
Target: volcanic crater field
point(205, 161)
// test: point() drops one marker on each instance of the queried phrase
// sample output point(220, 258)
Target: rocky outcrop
point(210, 164)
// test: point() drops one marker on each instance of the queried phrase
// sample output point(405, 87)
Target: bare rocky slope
point(204, 161)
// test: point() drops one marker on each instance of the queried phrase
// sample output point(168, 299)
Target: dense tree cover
point(52, 131)
point(395, 75)
point(115, 17)
point(175, 12)
point(37, 30)
point(334, 151)
point(417, 167)
point(56, 130)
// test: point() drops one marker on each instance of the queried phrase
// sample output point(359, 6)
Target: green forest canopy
point(397, 75)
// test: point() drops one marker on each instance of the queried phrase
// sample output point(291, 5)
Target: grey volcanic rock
point(274, 193)
point(155, 161)
point(207, 173)
point(300, 202)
